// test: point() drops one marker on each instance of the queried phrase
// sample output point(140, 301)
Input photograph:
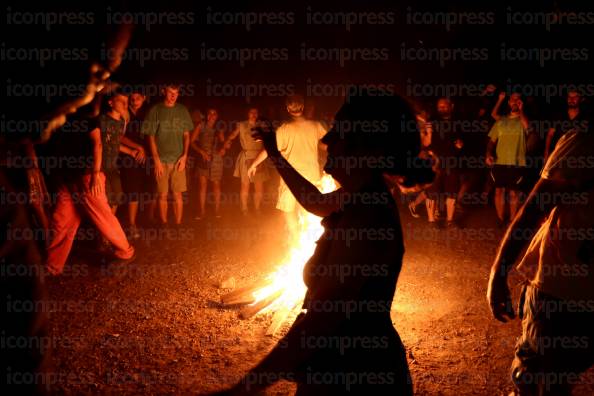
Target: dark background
point(194, 72)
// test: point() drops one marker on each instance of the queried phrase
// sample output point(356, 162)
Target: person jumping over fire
point(346, 342)
point(299, 142)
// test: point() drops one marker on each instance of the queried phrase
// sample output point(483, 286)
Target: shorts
point(171, 180)
point(244, 161)
point(113, 187)
point(447, 183)
point(555, 346)
point(508, 176)
point(214, 169)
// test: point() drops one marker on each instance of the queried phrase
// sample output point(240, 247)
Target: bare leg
point(430, 205)
point(258, 194)
point(132, 212)
point(243, 195)
point(514, 203)
point(202, 195)
point(178, 207)
point(419, 199)
point(162, 199)
point(450, 208)
point(500, 203)
point(216, 189)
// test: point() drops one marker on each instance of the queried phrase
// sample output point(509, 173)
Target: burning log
point(244, 295)
point(251, 310)
point(280, 316)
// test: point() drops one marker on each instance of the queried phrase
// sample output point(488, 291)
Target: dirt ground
point(157, 327)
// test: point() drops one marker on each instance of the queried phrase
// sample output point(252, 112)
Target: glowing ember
point(289, 277)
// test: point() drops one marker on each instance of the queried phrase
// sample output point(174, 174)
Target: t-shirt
point(245, 137)
point(168, 125)
point(297, 142)
point(560, 258)
point(112, 131)
point(509, 133)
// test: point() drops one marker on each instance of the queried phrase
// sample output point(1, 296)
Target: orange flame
point(288, 278)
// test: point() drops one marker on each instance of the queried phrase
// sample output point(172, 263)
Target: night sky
point(186, 42)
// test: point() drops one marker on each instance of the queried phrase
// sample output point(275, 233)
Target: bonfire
point(282, 291)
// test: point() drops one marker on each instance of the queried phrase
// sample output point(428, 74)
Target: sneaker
point(451, 224)
point(413, 210)
point(199, 217)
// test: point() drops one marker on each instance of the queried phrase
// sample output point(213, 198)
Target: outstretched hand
point(264, 131)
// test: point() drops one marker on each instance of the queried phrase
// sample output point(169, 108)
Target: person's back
point(298, 142)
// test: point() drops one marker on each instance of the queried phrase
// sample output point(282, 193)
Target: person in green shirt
point(167, 126)
point(508, 139)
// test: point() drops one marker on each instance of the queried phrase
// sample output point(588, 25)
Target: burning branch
point(283, 291)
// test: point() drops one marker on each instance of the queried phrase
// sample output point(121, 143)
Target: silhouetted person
point(558, 268)
point(23, 355)
point(345, 343)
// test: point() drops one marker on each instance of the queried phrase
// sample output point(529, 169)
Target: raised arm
point(495, 111)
